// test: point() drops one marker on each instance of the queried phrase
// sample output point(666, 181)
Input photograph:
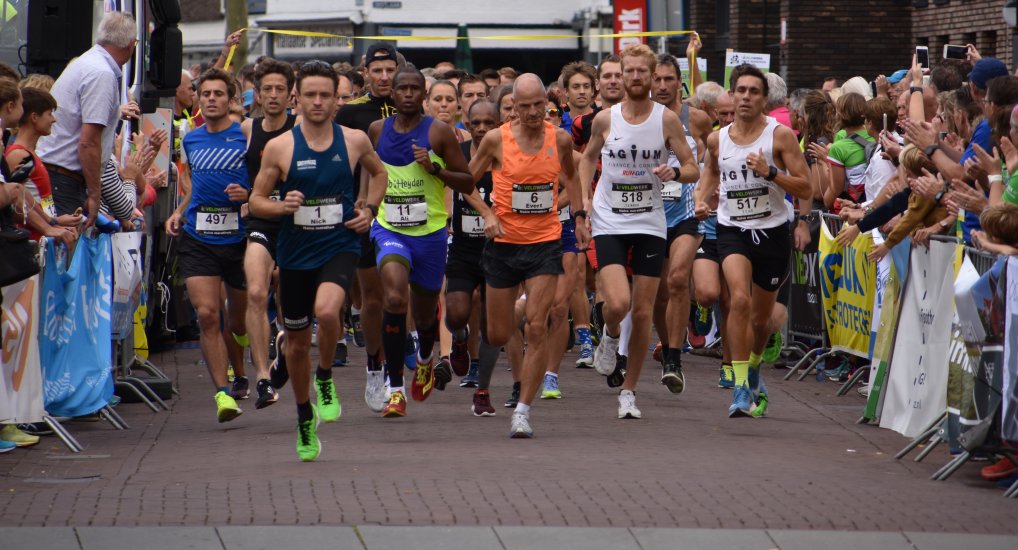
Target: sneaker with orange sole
point(424, 379)
point(396, 407)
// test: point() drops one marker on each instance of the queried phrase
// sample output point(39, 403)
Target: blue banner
point(75, 339)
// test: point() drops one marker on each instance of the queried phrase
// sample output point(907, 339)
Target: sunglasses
point(553, 112)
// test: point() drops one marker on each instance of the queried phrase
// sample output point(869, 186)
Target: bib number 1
point(319, 214)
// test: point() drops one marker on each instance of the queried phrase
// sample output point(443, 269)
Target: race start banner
point(75, 344)
point(21, 384)
point(847, 283)
point(916, 390)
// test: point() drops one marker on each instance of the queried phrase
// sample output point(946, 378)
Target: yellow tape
point(229, 57)
point(494, 37)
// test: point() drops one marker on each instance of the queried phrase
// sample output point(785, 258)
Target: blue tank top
point(709, 227)
point(216, 160)
point(314, 234)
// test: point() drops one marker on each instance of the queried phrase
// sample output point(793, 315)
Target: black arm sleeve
point(897, 204)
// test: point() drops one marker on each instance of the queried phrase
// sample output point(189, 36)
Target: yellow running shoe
point(226, 407)
point(12, 434)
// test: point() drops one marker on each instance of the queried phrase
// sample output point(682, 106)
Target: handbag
point(18, 255)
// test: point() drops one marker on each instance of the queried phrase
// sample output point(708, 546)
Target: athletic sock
point(459, 335)
point(305, 412)
point(582, 334)
point(375, 361)
point(523, 408)
point(754, 360)
point(741, 369)
point(552, 374)
point(394, 389)
point(394, 345)
point(323, 374)
point(426, 339)
point(486, 364)
point(355, 310)
point(224, 389)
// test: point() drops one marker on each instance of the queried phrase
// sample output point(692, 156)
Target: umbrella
point(464, 58)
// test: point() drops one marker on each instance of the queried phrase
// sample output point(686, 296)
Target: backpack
point(869, 147)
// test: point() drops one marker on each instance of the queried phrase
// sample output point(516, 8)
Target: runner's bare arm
point(373, 171)
point(246, 128)
point(701, 128)
point(268, 176)
point(456, 174)
point(486, 155)
point(588, 164)
point(572, 186)
point(789, 156)
point(675, 139)
point(710, 179)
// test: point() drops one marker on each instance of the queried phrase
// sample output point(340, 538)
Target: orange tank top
point(525, 190)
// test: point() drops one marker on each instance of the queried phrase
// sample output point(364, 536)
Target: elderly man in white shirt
point(88, 98)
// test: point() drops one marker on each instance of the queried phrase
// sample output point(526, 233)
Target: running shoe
point(273, 333)
point(727, 378)
point(459, 357)
point(443, 374)
point(339, 360)
point(551, 390)
point(396, 407)
point(839, 374)
point(36, 428)
point(278, 375)
point(424, 379)
point(760, 408)
point(412, 345)
point(514, 397)
point(586, 358)
point(374, 390)
point(329, 406)
point(742, 402)
point(759, 391)
point(266, 394)
point(703, 320)
point(519, 427)
point(618, 376)
point(7, 446)
point(11, 434)
point(241, 388)
point(694, 339)
point(482, 404)
point(229, 373)
point(1003, 468)
point(473, 376)
point(358, 332)
point(596, 323)
point(604, 356)
point(671, 375)
point(226, 407)
point(772, 351)
point(308, 445)
point(627, 405)
point(657, 352)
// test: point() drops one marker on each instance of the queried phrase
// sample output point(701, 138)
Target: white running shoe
point(627, 405)
point(604, 357)
point(520, 426)
point(374, 390)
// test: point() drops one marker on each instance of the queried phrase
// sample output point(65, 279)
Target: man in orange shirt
point(526, 157)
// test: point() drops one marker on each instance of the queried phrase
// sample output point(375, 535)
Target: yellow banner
point(848, 283)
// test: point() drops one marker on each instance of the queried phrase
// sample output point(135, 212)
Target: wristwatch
point(930, 150)
point(580, 214)
point(914, 89)
point(435, 169)
point(940, 194)
point(771, 174)
point(373, 209)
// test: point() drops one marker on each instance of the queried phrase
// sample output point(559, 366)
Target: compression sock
point(323, 374)
point(394, 345)
point(304, 411)
point(426, 339)
point(486, 365)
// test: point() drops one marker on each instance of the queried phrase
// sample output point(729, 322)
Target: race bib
point(632, 198)
point(565, 215)
point(749, 204)
point(217, 220)
point(408, 211)
point(318, 214)
point(533, 198)
point(472, 224)
point(49, 207)
point(671, 191)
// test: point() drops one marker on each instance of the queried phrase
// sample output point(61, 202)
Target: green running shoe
point(226, 407)
point(772, 351)
point(760, 401)
point(308, 445)
point(328, 401)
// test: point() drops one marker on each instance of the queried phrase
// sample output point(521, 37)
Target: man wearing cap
point(382, 62)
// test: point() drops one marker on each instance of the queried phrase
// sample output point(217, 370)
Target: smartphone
point(873, 87)
point(953, 51)
point(922, 56)
point(884, 127)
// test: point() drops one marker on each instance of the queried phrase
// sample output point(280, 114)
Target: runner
point(632, 139)
point(381, 63)
point(422, 157)
point(464, 273)
point(273, 82)
point(318, 244)
point(212, 241)
point(754, 161)
point(526, 157)
point(671, 309)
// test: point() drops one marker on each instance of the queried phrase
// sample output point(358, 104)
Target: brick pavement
point(807, 466)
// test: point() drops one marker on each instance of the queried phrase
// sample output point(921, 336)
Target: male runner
point(212, 242)
point(422, 157)
point(471, 88)
point(683, 237)
point(273, 82)
point(632, 139)
point(318, 243)
point(464, 273)
point(578, 79)
point(381, 63)
point(528, 158)
point(755, 161)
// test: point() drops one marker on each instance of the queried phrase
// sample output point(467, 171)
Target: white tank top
point(748, 201)
point(628, 195)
